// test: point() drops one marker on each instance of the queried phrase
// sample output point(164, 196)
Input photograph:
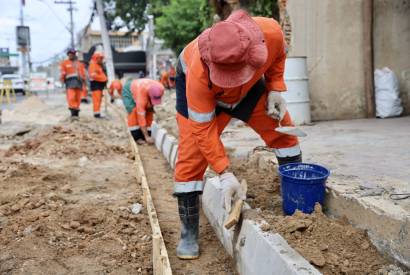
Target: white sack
point(388, 103)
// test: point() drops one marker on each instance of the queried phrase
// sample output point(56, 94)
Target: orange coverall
point(200, 127)
point(143, 113)
point(84, 92)
point(69, 71)
point(171, 77)
point(98, 80)
point(164, 79)
point(115, 86)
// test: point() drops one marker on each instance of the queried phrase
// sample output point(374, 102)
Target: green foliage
point(266, 8)
point(177, 22)
point(181, 22)
point(132, 14)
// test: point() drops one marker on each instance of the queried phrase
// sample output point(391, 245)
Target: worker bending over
point(233, 69)
point(73, 76)
point(98, 81)
point(115, 86)
point(139, 97)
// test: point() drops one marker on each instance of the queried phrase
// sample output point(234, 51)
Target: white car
point(17, 82)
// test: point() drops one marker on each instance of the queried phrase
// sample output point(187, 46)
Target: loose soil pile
point(332, 245)
point(72, 141)
point(65, 199)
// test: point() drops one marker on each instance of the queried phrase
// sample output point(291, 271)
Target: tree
point(181, 21)
point(126, 13)
point(131, 14)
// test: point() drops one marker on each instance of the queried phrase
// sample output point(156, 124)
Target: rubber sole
point(188, 257)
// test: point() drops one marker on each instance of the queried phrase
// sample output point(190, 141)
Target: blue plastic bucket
point(302, 186)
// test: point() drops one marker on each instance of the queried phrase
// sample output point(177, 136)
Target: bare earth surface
point(65, 198)
point(213, 259)
point(332, 245)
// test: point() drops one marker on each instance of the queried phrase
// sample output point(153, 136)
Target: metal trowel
point(290, 130)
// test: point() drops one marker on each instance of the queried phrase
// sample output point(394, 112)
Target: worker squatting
point(232, 70)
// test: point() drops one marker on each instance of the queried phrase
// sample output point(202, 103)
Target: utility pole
point(23, 52)
point(70, 4)
point(106, 42)
point(107, 49)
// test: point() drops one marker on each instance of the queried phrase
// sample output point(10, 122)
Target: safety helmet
point(71, 50)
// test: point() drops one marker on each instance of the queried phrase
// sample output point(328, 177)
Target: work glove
point(276, 105)
point(112, 100)
point(231, 188)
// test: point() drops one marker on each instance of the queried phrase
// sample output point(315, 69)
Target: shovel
point(290, 130)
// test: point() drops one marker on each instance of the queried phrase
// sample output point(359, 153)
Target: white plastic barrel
point(297, 96)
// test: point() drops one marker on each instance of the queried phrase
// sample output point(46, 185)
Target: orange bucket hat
point(233, 50)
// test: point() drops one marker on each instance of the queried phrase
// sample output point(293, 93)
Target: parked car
point(17, 82)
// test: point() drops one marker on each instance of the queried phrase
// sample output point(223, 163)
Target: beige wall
point(330, 34)
point(392, 42)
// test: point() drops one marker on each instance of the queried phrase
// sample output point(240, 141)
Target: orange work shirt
point(70, 68)
point(139, 90)
point(116, 85)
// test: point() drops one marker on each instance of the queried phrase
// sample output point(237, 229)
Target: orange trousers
point(73, 98)
point(97, 98)
point(84, 92)
point(191, 164)
point(133, 120)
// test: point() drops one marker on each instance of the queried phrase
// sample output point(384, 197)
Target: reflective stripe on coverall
point(72, 73)
point(199, 124)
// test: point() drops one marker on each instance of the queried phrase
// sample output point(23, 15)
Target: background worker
point(164, 78)
point(115, 86)
point(84, 93)
point(98, 81)
point(171, 76)
point(72, 74)
point(233, 69)
point(139, 97)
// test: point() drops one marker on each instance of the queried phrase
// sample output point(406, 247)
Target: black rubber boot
point(286, 160)
point(137, 134)
point(84, 100)
point(97, 115)
point(74, 114)
point(188, 206)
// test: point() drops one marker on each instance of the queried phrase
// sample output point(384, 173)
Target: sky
point(46, 20)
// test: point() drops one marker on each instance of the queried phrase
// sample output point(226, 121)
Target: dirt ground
point(332, 245)
point(213, 259)
point(65, 199)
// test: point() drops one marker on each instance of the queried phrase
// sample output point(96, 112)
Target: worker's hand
point(149, 140)
point(276, 105)
point(231, 188)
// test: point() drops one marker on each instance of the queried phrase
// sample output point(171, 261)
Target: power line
point(55, 14)
point(70, 4)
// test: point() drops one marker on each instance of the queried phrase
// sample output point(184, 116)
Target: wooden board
point(235, 214)
point(160, 260)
